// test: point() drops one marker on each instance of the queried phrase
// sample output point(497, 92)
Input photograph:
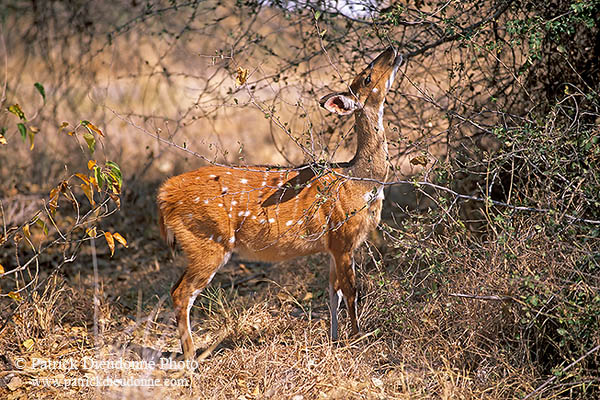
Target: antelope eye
point(368, 79)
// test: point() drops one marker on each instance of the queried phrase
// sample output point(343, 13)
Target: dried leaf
point(28, 344)
point(91, 232)
point(63, 125)
point(419, 160)
point(16, 109)
point(15, 383)
point(116, 199)
point(2, 139)
point(110, 241)
point(1, 269)
point(242, 76)
point(15, 296)
point(89, 192)
point(308, 296)
point(92, 128)
point(26, 231)
point(120, 239)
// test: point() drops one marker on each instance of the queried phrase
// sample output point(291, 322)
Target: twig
point(212, 347)
point(476, 297)
point(247, 278)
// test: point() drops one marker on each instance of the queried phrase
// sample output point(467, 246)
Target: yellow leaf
point(241, 77)
point(28, 344)
point(110, 241)
point(1, 269)
point(31, 135)
point(15, 296)
point(91, 164)
point(308, 296)
point(26, 231)
point(83, 178)
point(42, 225)
point(91, 231)
point(63, 125)
point(70, 133)
point(16, 109)
point(120, 239)
point(2, 139)
point(94, 183)
point(89, 192)
point(34, 129)
point(419, 160)
point(92, 128)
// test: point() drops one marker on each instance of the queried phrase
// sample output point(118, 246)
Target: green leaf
point(40, 88)
point(99, 177)
point(23, 131)
point(16, 109)
point(317, 15)
point(42, 225)
point(115, 172)
point(91, 141)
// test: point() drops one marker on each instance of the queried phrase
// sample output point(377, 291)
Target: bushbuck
point(274, 214)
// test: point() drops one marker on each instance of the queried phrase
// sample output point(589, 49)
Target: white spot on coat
point(244, 181)
point(289, 223)
point(271, 220)
point(197, 199)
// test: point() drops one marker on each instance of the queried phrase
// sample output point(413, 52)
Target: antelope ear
point(339, 103)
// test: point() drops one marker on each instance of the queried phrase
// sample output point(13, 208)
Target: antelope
point(274, 214)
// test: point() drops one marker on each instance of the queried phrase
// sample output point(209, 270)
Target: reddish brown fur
point(272, 214)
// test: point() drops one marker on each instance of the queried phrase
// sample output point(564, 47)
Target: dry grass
point(271, 330)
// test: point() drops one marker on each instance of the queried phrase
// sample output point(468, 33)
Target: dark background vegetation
point(482, 280)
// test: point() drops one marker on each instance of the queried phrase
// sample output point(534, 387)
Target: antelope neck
point(370, 160)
